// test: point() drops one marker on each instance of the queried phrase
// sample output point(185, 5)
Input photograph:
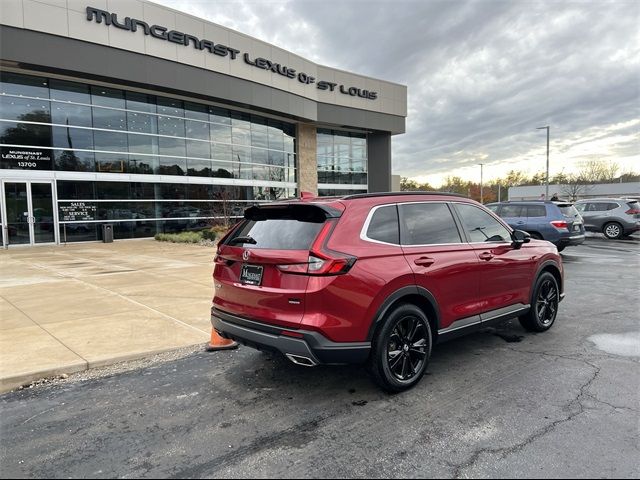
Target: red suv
point(378, 278)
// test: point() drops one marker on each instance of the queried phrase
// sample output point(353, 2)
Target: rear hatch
point(634, 209)
point(572, 217)
point(261, 269)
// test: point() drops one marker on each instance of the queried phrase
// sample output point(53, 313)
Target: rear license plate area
point(251, 274)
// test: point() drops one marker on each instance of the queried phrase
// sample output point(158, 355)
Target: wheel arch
point(418, 296)
point(551, 267)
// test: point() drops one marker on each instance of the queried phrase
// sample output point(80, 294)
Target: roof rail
point(396, 194)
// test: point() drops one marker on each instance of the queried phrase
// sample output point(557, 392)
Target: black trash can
point(107, 233)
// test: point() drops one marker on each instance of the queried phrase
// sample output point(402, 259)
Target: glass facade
point(48, 124)
point(342, 160)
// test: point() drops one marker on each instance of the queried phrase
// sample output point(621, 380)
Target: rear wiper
point(245, 239)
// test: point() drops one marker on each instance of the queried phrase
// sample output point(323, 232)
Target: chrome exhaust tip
point(300, 360)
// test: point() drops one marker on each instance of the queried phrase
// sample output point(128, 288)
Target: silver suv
point(615, 217)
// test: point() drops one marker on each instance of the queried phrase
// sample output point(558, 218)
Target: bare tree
point(599, 171)
point(576, 187)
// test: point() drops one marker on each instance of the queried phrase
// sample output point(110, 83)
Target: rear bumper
point(572, 240)
point(311, 345)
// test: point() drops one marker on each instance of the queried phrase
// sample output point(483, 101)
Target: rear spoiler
point(303, 212)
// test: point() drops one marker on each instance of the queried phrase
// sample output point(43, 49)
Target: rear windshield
point(634, 205)
point(568, 211)
point(278, 234)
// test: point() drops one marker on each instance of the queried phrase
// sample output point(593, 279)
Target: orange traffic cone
point(219, 343)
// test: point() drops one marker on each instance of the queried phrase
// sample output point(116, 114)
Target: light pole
point(546, 191)
point(481, 183)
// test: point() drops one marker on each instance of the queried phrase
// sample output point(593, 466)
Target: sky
point(482, 75)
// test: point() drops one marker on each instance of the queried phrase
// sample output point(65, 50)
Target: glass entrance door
point(29, 213)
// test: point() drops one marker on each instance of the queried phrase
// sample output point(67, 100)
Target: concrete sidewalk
point(65, 309)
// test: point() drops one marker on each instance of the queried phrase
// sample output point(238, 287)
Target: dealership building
point(134, 115)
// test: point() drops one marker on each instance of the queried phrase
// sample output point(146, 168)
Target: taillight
point(559, 224)
point(633, 211)
point(322, 261)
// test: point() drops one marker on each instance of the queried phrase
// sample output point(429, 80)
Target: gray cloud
point(481, 75)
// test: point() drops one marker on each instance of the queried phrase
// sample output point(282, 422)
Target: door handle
point(485, 256)
point(424, 261)
point(520, 223)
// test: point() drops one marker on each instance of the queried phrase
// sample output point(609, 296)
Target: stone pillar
point(379, 162)
point(307, 145)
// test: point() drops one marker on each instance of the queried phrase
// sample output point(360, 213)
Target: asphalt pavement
point(499, 403)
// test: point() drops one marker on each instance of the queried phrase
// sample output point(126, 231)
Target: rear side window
point(612, 206)
point(536, 211)
point(481, 226)
point(427, 224)
point(278, 234)
point(383, 226)
point(510, 211)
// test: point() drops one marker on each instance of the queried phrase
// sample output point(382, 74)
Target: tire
point(613, 230)
point(544, 305)
point(403, 338)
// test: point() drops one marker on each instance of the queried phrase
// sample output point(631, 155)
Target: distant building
point(534, 192)
point(395, 183)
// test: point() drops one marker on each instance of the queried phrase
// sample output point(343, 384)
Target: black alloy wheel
point(544, 304)
point(401, 348)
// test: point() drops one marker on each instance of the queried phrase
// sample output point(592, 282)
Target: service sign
point(25, 158)
point(77, 211)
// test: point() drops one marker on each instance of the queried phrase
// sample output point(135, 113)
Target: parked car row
point(565, 223)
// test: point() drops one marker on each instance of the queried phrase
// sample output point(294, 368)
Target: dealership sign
point(28, 158)
point(77, 211)
point(181, 38)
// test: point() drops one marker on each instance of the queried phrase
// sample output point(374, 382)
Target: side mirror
point(519, 238)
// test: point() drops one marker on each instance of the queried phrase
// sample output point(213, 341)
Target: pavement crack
point(503, 452)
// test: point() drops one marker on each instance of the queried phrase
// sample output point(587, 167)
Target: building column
point(307, 145)
point(379, 162)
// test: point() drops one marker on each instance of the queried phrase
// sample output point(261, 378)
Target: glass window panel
point(112, 163)
point(70, 114)
point(144, 229)
point(224, 170)
point(107, 97)
point(245, 171)
point(220, 133)
point(384, 225)
point(196, 111)
point(112, 190)
point(199, 168)
point(199, 130)
point(140, 102)
point(142, 123)
point(13, 133)
point(260, 172)
point(143, 143)
point(142, 164)
point(199, 192)
point(142, 191)
point(170, 106)
point(25, 109)
point(221, 152)
point(78, 232)
point(198, 149)
point(172, 166)
point(259, 137)
point(290, 159)
point(18, 84)
point(73, 138)
point(171, 191)
point(110, 141)
point(172, 146)
point(241, 136)
point(259, 155)
point(219, 115)
point(241, 120)
point(276, 158)
point(72, 190)
point(69, 91)
point(427, 224)
point(109, 119)
point(171, 126)
point(74, 161)
point(241, 154)
point(289, 144)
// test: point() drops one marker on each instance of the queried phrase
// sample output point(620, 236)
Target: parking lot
point(498, 403)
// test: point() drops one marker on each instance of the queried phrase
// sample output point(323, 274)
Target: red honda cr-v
point(378, 278)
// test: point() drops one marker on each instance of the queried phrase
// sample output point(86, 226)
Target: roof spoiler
point(302, 212)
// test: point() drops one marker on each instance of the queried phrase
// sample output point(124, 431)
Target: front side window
point(481, 226)
point(427, 224)
point(384, 225)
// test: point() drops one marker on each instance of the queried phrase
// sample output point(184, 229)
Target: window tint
point(511, 211)
point(493, 208)
point(427, 224)
point(536, 211)
point(481, 226)
point(568, 211)
point(612, 206)
point(280, 234)
point(384, 225)
point(580, 206)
